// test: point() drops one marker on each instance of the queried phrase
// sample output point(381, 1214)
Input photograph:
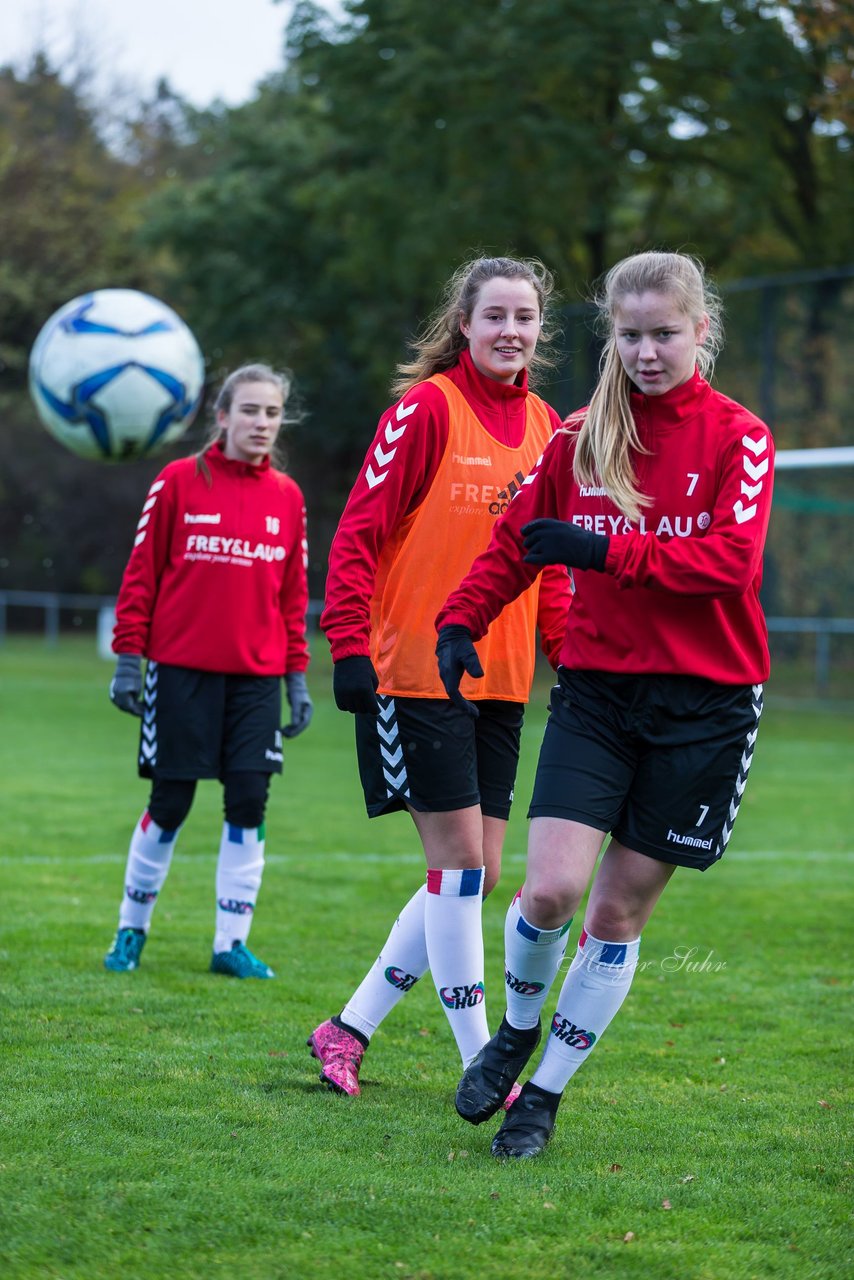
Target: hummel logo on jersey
point(472, 462)
point(202, 519)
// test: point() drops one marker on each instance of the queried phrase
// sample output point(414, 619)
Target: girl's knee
point(548, 906)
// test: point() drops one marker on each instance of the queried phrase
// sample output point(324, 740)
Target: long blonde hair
point(441, 342)
point(606, 435)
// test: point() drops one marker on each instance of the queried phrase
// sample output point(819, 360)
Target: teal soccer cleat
point(239, 962)
point(124, 954)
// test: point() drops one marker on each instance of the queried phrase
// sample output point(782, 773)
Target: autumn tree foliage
point(313, 225)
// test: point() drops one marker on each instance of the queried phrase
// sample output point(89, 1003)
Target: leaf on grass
point(628, 1237)
point(678, 1025)
point(689, 1177)
point(424, 1031)
point(665, 1204)
point(828, 1105)
point(616, 1168)
point(670, 1043)
point(720, 1061)
point(495, 1195)
point(724, 1088)
point(277, 1053)
point(547, 1204)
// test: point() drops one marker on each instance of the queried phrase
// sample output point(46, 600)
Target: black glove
point(354, 684)
point(301, 705)
point(561, 542)
point(126, 684)
point(456, 653)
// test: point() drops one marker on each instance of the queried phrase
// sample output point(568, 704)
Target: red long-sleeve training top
point(216, 580)
point(680, 591)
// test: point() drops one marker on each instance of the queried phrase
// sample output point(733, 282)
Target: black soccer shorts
point(201, 724)
point(660, 761)
point(430, 755)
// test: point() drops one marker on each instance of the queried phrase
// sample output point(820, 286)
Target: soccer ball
point(115, 375)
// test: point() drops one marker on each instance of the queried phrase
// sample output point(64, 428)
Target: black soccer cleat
point(488, 1079)
point(528, 1124)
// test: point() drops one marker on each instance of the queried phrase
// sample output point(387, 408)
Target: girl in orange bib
point(446, 460)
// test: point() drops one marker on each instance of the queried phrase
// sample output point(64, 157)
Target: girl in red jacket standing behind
point(214, 596)
point(657, 495)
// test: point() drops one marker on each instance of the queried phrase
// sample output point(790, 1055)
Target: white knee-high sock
point(532, 957)
point(596, 985)
point(402, 961)
point(452, 926)
point(149, 856)
point(238, 879)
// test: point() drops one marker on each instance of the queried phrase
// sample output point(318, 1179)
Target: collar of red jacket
point(487, 391)
point(215, 455)
point(674, 408)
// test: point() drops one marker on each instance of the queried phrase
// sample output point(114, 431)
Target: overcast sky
point(206, 48)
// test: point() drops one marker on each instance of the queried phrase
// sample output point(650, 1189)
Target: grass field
point(170, 1123)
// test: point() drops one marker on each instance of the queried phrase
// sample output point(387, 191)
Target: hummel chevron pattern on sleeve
point(392, 433)
point(755, 471)
point(150, 502)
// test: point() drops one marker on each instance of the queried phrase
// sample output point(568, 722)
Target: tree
point(68, 206)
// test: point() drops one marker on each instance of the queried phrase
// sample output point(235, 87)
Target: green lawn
point(170, 1123)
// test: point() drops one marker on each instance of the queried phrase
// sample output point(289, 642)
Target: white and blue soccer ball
point(115, 375)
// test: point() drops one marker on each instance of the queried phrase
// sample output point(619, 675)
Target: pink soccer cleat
point(512, 1096)
point(340, 1056)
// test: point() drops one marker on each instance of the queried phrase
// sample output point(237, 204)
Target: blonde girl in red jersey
point(657, 496)
point(214, 596)
point(457, 443)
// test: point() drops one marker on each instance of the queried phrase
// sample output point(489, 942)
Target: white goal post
point(786, 459)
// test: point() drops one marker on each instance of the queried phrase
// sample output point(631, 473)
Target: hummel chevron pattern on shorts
point(391, 749)
point(743, 770)
point(148, 739)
